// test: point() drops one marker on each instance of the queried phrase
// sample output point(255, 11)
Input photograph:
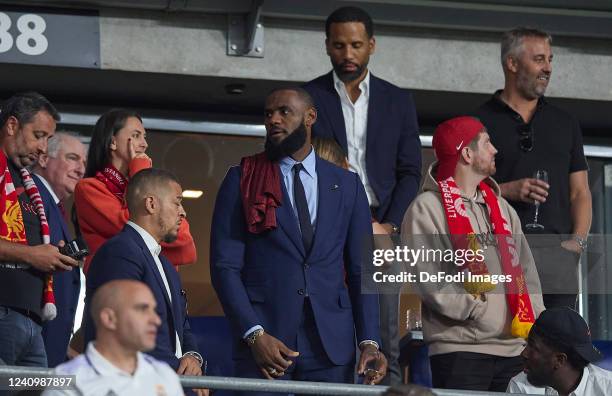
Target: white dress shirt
point(595, 381)
point(356, 125)
point(46, 183)
point(96, 376)
point(155, 249)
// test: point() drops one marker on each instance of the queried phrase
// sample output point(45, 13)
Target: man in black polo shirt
point(27, 121)
point(532, 134)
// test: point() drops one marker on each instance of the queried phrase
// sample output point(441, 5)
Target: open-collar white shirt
point(155, 249)
point(95, 375)
point(595, 381)
point(356, 125)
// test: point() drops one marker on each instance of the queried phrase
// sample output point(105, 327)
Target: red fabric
point(103, 215)
point(449, 138)
point(260, 186)
point(462, 235)
point(114, 180)
point(12, 228)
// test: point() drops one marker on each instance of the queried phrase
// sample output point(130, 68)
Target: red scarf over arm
point(261, 192)
point(462, 236)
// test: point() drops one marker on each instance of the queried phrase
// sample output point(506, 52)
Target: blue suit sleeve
point(408, 164)
point(358, 244)
point(189, 341)
point(227, 254)
point(108, 264)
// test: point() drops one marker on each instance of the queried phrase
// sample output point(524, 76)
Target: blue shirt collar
point(309, 163)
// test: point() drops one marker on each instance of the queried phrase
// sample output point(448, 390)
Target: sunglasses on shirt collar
point(526, 137)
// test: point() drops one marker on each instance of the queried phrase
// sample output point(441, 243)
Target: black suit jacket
point(393, 147)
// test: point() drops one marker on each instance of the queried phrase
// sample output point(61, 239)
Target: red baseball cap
point(449, 138)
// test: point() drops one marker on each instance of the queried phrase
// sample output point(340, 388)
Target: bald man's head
point(124, 314)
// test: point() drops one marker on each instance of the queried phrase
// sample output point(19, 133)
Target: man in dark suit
point(56, 173)
point(287, 248)
point(154, 202)
point(375, 122)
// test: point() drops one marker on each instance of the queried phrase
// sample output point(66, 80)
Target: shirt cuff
point(252, 329)
point(369, 342)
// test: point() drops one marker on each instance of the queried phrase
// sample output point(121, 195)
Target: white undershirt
point(155, 250)
point(356, 125)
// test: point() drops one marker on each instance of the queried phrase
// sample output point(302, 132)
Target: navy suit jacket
point(66, 285)
point(393, 147)
point(126, 256)
point(262, 279)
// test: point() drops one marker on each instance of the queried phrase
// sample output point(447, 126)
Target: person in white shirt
point(558, 358)
point(126, 323)
point(375, 123)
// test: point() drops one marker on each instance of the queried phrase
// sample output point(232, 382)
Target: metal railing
point(261, 385)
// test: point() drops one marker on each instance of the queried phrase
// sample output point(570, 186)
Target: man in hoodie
point(474, 327)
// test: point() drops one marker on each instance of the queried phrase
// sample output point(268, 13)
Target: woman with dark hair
point(116, 153)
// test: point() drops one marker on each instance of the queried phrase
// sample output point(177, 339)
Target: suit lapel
point(177, 308)
point(377, 101)
point(151, 263)
point(62, 221)
point(287, 220)
point(334, 113)
point(330, 197)
point(54, 214)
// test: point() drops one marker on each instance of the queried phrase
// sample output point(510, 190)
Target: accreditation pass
point(37, 382)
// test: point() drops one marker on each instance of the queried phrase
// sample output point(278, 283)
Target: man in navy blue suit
point(56, 173)
point(156, 212)
point(375, 123)
point(287, 248)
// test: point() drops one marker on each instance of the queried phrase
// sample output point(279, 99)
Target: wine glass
point(539, 175)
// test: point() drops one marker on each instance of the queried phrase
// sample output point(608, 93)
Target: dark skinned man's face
point(284, 117)
point(349, 49)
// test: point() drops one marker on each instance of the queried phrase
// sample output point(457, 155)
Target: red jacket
point(102, 215)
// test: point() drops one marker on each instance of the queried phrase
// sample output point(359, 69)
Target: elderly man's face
point(67, 167)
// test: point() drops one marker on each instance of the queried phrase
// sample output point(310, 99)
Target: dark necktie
point(299, 197)
point(60, 205)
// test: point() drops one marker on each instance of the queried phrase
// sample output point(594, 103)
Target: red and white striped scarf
point(12, 227)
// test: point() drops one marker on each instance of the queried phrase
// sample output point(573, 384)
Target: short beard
point(346, 77)
point(292, 143)
point(169, 238)
point(529, 89)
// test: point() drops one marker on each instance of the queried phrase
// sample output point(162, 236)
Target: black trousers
point(474, 371)
point(560, 300)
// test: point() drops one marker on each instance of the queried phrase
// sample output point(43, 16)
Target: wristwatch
point(250, 339)
point(394, 229)
point(582, 242)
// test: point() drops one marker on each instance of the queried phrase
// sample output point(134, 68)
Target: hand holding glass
point(543, 176)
